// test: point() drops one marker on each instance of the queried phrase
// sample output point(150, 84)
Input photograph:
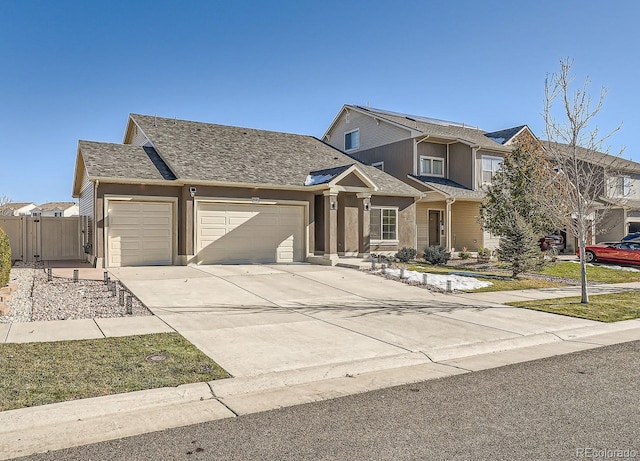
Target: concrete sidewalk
point(62, 330)
point(67, 424)
point(503, 297)
point(293, 334)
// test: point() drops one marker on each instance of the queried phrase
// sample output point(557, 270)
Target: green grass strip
point(42, 373)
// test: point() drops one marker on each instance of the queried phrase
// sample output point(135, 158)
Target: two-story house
point(17, 209)
point(56, 209)
point(617, 193)
point(448, 162)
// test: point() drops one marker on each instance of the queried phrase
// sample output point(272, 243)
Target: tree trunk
point(582, 243)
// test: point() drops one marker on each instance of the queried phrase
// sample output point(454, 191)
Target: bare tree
point(4, 200)
point(579, 168)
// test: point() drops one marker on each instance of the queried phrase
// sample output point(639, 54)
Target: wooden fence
point(45, 238)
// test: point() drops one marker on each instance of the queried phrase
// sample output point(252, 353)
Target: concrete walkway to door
point(261, 319)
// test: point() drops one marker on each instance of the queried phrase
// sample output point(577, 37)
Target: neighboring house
point(180, 192)
point(17, 209)
point(619, 195)
point(449, 162)
point(56, 209)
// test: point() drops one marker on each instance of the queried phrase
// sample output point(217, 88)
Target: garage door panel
point(236, 233)
point(140, 233)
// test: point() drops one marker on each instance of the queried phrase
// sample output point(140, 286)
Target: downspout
point(474, 179)
point(448, 163)
point(450, 201)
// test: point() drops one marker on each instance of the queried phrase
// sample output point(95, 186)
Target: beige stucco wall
point(406, 222)
point(186, 207)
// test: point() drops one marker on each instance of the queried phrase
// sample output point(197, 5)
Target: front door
point(434, 227)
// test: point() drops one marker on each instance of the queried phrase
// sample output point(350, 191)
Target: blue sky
point(75, 69)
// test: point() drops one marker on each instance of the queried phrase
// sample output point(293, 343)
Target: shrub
point(5, 258)
point(436, 255)
point(464, 254)
point(405, 254)
point(482, 251)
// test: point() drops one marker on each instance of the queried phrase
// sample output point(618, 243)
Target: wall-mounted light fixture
point(334, 204)
point(192, 191)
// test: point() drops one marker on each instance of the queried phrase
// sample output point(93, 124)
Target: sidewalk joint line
point(96, 323)
point(6, 338)
point(226, 406)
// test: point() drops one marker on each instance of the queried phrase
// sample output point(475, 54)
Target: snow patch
point(607, 266)
point(312, 180)
point(440, 280)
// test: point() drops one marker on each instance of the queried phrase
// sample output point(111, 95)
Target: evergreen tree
point(517, 187)
point(514, 208)
point(519, 246)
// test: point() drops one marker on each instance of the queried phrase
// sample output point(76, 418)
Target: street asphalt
point(576, 406)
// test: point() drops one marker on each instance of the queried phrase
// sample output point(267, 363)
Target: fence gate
point(45, 238)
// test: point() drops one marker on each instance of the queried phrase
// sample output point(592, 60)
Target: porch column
point(450, 202)
point(331, 225)
point(364, 225)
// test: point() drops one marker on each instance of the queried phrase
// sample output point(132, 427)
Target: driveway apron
point(256, 319)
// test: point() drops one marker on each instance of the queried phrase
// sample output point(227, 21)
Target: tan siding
point(460, 167)
point(479, 156)
point(397, 158)
point(429, 149)
point(86, 208)
point(371, 133)
point(139, 139)
point(465, 229)
point(422, 221)
point(612, 226)
point(490, 241)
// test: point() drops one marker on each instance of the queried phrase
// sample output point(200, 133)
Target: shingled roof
point(205, 152)
point(504, 136)
point(450, 188)
point(49, 206)
point(610, 162)
point(437, 128)
point(119, 161)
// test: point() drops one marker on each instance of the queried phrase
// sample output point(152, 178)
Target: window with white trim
point(57, 214)
point(431, 166)
point(352, 139)
point(620, 186)
point(490, 166)
point(383, 224)
point(378, 165)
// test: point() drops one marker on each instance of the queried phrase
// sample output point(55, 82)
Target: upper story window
point(431, 166)
point(352, 140)
point(36, 213)
point(378, 165)
point(620, 186)
point(57, 214)
point(490, 166)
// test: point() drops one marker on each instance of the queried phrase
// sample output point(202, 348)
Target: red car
point(620, 252)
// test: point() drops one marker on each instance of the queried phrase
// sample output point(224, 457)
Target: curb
point(68, 424)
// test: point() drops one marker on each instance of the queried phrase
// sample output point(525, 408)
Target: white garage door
point(232, 233)
point(140, 234)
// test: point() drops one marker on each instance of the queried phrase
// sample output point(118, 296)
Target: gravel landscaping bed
point(61, 299)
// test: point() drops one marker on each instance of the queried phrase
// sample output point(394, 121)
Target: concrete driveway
point(257, 319)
